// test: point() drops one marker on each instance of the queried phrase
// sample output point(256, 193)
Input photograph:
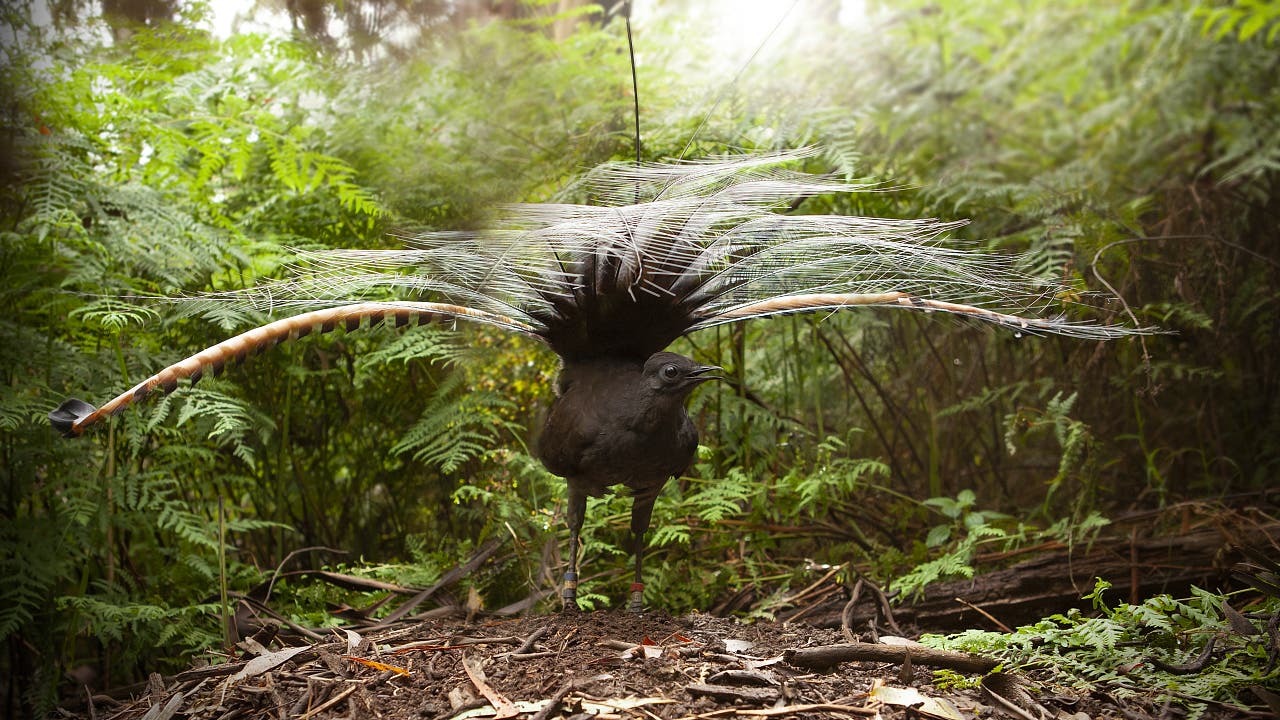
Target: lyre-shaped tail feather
point(73, 416)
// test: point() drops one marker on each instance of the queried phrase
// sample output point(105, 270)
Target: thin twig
point(329, 703)
point(846, 614)
point(554, 702)
point(985, 614)
point(271, 584)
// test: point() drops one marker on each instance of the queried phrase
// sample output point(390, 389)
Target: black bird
point(616, 422)
point(663, 251)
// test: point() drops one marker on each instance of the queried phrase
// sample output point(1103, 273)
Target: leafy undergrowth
point(1197, 653)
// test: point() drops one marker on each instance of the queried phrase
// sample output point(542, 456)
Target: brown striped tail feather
point(73, 416)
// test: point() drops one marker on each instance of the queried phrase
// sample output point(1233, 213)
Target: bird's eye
point(670, 372)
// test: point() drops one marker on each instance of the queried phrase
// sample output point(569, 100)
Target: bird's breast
point(607, 429)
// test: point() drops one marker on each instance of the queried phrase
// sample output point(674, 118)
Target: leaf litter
point(580, 665)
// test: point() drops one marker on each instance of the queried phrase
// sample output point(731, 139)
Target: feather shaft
point(73, 417)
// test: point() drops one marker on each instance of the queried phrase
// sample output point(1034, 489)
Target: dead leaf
point(504, 707)
point(626, 703)
point(166, 711)
point(899, 641)
point(757, 664)
point(381, 667)
point(353, 640)
point(525, 707)
point(1239, 623)
point(911, 697)
point(263, 663)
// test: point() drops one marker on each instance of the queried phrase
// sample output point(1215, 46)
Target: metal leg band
point(637, 598)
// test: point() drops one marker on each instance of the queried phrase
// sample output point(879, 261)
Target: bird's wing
point(73, 416)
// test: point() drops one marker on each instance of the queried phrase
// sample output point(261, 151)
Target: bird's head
point(676, 374)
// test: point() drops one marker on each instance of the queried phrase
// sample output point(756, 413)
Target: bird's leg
point(641, 510)
point(577, 511)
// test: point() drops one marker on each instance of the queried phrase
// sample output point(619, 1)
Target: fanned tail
point(73, 416)
point(667, 250)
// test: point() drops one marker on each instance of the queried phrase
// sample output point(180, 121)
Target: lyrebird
point(667, 250)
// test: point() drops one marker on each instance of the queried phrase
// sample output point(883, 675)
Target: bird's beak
point(702, 373)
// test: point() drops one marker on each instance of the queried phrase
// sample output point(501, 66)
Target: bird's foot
point(570, 592)
point(636, 605)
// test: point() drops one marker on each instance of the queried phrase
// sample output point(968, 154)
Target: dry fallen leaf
point(504, 707)
point(378, 666)
point(263, 663)
point(911, 697)
point(353, 640)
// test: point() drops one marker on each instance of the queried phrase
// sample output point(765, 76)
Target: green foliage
point(967, 528)
point(457, 425)
point(1244, 19)
point(1113, 649)
point(1135, 153)
point(1073, 437)
point(960, 511)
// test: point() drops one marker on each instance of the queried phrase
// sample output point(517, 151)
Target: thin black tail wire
point(635, 84)
point(725, 90)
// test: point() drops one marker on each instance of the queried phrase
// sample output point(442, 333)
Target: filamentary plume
point(702, 243)
point(664, 250)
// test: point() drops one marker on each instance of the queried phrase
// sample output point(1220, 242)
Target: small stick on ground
point(329, 703)
point(531, 656)
point(554, 703)
point(526, 647)
point(846, 615)
point(785, 710)
point(885, 609)
point(826, 656)
point(729, 693)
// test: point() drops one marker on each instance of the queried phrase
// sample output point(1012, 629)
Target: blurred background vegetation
point(1128, 148)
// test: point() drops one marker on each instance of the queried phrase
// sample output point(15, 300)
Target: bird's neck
point(598, 374)
point(618, 388)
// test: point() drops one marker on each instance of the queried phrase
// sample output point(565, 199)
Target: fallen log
point(1055, 581)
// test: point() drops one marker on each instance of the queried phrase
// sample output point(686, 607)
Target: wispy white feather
point(710, 239)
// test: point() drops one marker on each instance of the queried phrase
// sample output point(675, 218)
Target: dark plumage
point(618, 422)
point(666, 251)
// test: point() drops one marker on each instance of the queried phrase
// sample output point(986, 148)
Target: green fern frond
point(457, 425)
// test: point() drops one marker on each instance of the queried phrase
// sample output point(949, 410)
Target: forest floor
point(606, 664)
